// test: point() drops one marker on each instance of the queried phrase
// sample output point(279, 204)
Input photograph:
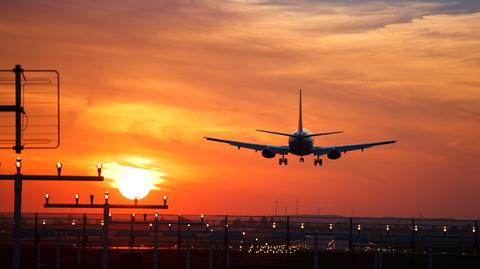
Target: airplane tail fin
point(300, 123)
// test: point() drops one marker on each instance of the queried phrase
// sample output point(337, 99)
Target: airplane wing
point(256, 147)
point(345, 148)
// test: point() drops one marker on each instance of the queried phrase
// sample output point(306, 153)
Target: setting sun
point(133, 178)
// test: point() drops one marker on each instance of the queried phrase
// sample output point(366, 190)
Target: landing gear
point(318, 162)
point(282, 160)
point(302, 159)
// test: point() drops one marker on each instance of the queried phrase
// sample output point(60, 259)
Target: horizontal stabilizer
point(328, 133)
point(276, 133)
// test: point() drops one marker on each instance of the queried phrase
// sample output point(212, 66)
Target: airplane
point(301, 143)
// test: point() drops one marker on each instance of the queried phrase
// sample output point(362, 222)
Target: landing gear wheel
point(315, 162)
point(302, 159)
point(285, 161)
point(280, 161)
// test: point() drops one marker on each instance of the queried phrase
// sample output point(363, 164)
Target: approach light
point(302, 226)
point(387, 228)
point(59, 168)
point(73, 224)
point(188, 226)
point(202, 217)
point(76, 199)
point(444, 229)
point(47, 197)
point(359, 227)
point(102, 223)
point(99, 168)
point(415, 228)
point(106, 197)
point(330, 227)
point(474, 229)
point(18, 164)
point(44, 223)
point(243, 233)
point(150, 226)
point(165, 200)
point(274, 226)
point(169, 226)
point(110, 216)
point(156, 215)
point(133, 216)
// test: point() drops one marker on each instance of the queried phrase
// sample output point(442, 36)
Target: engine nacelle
point(334, 155)
point(267, 153)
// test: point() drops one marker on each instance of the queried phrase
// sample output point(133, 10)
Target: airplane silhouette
point(301, 143)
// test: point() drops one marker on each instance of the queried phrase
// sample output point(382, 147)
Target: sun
point(133, 180)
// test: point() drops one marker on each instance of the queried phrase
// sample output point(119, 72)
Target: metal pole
point(155, 244)
point(227, 260)
point(106, 222)
point(17, 221)
point(315, 254)
point(18, 108)
point(187, 256)
point(57, 256)
point(475, 239)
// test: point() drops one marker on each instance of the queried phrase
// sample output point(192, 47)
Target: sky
point(142, 82)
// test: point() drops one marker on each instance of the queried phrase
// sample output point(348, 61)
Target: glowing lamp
point(243, 233)
point(76, 199)
point(188, 226)
point(133, 216)
point(274, 225)
point(73, 224)
point(415, 228)
point(59, 168)
point(150, 226)
point(99, 169)
point(164, 200)
point(169, 226)
point(156, 215)
point(47, 197)
point(44, 223)
point(18, 164)
point(387, 228)
point(359, 227)
point(109, 216)
point(330, 227)
point(202, 217)
point(444, 229)
point(102, 223)
point(474, 229)
point(106, 197)
point(302, 226)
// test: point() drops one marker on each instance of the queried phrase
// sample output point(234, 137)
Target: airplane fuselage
point(299, 144)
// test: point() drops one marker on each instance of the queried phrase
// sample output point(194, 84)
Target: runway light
point(106, 197)
point(243, 233)
point(474, 230)
point(18, 164)
point(109, 216)
point(169, 226)
point(76, 199)
point(59, 168)
point(150, 226)
point(274, 225)
point(44, 223)
point(330, 227)
point(202, 217)
point(164, 200)
point(73, 224)
point(188, 227)
point(99, 169)
point(47, 197)
point(102, 223)
point(359, 227)
point(444, 229)
point(415, 228)
point(387, 228)
point(302, 226)
point(207, 225)
point(156, 215)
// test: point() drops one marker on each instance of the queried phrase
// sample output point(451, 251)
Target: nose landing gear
point(317, 161)
point(283, 160)
point(302, 159)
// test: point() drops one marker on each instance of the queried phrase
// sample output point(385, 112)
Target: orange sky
point(146, 80)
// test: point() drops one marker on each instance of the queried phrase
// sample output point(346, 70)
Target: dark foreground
point(139, 259)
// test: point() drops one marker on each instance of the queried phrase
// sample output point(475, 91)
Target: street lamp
point(164, 200)
point(76, 199)
point(202, 217)
point(47, 197)
point(59, 168)
point(102, 223)
point(106, 197)
point(156, 215)
point(99, 168)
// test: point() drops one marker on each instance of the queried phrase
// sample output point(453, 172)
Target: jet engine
point(267, 153)
point(334, 155)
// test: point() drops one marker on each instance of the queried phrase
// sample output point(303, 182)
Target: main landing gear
point(302, 159)
point(317, 161)
point(283, 160)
